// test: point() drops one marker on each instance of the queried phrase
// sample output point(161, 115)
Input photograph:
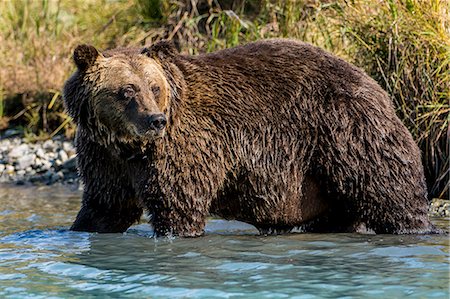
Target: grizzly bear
point(276, 133)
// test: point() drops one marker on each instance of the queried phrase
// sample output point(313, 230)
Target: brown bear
point(276, 133)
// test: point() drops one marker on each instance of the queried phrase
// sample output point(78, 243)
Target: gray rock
point(18, 151)
point(67, 146)
point(5, 145)
point(40, 153)
point(440, 207)
point(46, 165)
point(48, 145)
point(70, 164)
point(9, 169)
point(37, 163)
point(25, 161)
point(2, 168)
point(11, 132)
point(60, 174)
point(62, 155)
point(21, 172)
point(56, 177)
point(36, 178)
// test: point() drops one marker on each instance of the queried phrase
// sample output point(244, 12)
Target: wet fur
point(276, 133)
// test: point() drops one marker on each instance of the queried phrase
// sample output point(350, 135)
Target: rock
point(46, 165)
point(36, 178)
point(5, 145)
point(11, 132)
point(40, 153)
point(440, 207)
point(56, 177)
point(42, 162)
point(70, 164)
point(47, 175)
point(37, 163)
point(9, 169)
point(25, 161)
point(67, 147)
point(62, 155)
point(48, 145)
point(18, 151)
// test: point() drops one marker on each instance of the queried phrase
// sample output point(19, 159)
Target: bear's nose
point(157, 121)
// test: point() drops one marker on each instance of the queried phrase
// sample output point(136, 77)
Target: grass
point(403, 44)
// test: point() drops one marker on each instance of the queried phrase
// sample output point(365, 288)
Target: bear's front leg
point(109, 203)
point(106, 213)
point(184, 217)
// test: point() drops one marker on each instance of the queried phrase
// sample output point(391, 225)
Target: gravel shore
point(54, 161)
point(45, 162)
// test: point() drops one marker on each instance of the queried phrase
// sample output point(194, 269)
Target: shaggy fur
point(277, 133)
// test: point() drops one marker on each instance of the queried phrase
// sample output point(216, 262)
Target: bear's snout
point(156, 122)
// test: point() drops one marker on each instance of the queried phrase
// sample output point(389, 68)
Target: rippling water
point(41, 258)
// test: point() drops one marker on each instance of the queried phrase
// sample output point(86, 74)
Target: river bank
point(43, 162)
point(54, 162)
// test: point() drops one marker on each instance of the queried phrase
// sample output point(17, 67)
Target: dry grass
point(403, 44)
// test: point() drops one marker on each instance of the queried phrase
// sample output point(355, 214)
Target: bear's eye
point(128, 92)
point(156, 91)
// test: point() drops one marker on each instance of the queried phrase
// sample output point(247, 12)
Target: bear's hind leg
point(371, 163)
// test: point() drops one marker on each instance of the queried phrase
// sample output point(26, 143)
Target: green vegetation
point(403, 44)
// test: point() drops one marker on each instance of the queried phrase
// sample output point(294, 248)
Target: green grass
point(403, 44)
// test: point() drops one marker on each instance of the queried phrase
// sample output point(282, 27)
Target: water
point(41, 258)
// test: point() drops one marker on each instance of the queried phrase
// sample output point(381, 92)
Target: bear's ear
point(161, 50)
point(84, 56)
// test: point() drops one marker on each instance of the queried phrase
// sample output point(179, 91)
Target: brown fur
point(276, 133)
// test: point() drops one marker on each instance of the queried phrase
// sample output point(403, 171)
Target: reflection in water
point(40, 257)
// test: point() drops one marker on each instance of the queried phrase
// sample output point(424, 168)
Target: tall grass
point(36, 41)
point(403, 44)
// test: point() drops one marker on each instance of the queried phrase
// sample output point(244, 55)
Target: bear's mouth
point(148, 133)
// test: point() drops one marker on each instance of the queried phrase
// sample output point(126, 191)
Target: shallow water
point(41, 258)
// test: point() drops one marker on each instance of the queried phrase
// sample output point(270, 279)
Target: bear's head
point(122, 96)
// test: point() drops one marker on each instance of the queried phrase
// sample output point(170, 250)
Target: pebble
point(440, 207)
point(45, 162)
point(18, 151)
point(48, 145)
point(25, 161)
point(9, 169)
point(62, 156)
point(70, 164)
point(40, 153)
